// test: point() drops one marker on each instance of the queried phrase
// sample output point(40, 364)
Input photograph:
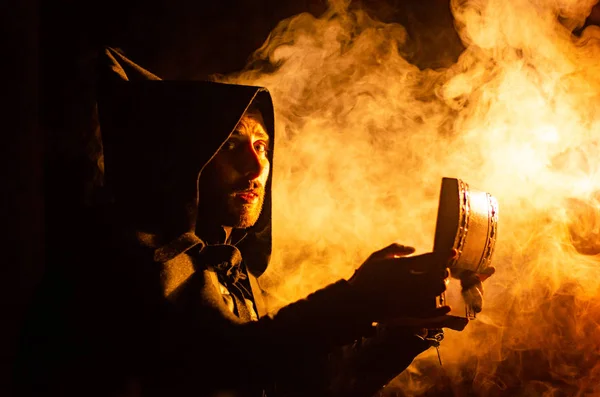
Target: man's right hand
point(394, 285)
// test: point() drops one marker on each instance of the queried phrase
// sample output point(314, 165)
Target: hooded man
point(172, 305)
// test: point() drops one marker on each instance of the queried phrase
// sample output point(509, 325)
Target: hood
point(157, 136)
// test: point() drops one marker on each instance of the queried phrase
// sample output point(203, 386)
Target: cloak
point(158, 136)
point(141, 312)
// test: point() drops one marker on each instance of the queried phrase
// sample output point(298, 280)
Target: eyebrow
point(259, 133)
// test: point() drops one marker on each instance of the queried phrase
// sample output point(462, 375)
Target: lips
point(248, 196)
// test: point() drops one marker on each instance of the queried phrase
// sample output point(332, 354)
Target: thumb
point(394, 250)
point(432, 260)
point(488, 273)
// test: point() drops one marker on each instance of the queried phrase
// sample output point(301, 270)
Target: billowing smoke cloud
point(364, 138)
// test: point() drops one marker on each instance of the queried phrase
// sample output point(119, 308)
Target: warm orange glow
point(364, 138)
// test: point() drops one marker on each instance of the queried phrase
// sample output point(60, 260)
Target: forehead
point(251, 125)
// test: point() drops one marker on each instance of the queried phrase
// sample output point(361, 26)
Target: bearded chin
point(242, 216)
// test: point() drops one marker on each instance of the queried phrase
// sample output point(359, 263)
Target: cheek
point(264, 175)
point(225, 171)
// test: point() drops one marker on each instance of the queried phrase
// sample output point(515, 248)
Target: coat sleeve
point(359, 369)
point(111, 330)
point(369, 364)
point(213, 350)
point(323, 345)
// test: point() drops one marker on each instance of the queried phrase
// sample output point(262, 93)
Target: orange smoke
point(364, 138)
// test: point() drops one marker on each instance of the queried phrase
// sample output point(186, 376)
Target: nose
point(251, 163)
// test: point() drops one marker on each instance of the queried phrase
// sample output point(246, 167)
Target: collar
point(161, 251)
point(218, 235)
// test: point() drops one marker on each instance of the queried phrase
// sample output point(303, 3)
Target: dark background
point(48, 53)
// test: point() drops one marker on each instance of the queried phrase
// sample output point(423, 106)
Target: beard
point(239, 214)
point(236, 206)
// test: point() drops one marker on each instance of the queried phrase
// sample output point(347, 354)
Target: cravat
point(226, 261)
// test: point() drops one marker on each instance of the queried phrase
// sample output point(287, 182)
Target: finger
point(426, 284)
point(430, 283)
point(393, 251)
point(437, 312)
point(488, 273)
point(452, 322)
point(429, 261)
point(440, 320)
point(420, 314)
point(439, 274)
point(437, 288)
point(421, 332)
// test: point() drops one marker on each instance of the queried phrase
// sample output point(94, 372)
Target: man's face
point(233, 183)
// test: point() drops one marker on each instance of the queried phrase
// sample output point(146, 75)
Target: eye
point(230, 144)
point(261, 147)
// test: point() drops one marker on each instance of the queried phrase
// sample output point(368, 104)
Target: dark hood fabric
point(157, 137)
